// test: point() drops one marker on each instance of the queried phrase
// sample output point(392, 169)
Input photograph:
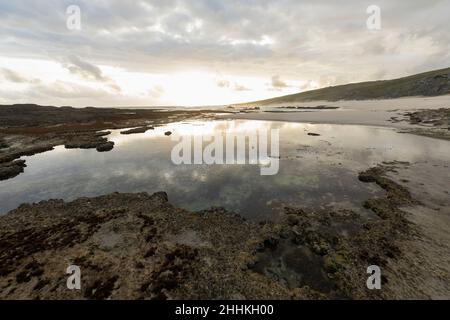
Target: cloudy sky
point(203, 52)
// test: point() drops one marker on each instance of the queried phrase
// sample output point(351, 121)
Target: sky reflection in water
point(314, 171)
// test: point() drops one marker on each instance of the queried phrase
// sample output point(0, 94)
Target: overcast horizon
point(209, 52)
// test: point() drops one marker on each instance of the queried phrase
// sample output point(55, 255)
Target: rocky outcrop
point(27, 129)
point(137, 130)
point(105, 147)
point(430, 123)
point(129, 246)
point(11, 169)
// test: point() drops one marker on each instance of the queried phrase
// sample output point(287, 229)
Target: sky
point(209, 52)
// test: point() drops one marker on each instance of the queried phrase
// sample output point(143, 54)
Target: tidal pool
point(314, 171)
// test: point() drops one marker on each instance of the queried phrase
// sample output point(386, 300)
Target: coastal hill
point(432, 83)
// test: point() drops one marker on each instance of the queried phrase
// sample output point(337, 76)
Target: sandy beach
point(365, 112)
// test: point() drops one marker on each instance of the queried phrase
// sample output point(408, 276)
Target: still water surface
point(314, 171)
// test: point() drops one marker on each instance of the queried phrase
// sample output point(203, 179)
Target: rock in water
point(11, 169)
point(104, 147)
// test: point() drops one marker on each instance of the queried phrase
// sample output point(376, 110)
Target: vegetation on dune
point(433, 83)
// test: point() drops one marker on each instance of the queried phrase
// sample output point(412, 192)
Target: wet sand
point(371, 112)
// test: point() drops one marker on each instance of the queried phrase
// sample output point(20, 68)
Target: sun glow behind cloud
point(125, 88)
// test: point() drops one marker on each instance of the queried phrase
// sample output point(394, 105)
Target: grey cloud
point(77, 66)
point(88, 70)
point(13, 76)
point(308, 85)
point(278, 83)
point(67, 90)
point(230, 85)
point(156, 92)
point(238, 87)
point(223, 83)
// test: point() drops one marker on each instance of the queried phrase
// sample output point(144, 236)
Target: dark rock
point(11, 169)
point(105, 147)
point(102, 133)
point(333, 263)
point(162, 195)
point(35, 150)
point(81, 144)
point(293, 220)
point(101, 290)
point(137, 130)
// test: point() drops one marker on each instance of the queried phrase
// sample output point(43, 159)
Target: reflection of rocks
point(25, 145)
point(137, 130)
point(21, 145)
point(132, 246)
point(30, 129)
point(11, 169)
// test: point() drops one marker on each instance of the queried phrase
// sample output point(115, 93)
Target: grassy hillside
point(433, 83)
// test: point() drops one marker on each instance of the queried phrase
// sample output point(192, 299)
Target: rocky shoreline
point(26, 130)
point(432, 123)
point(139, 246)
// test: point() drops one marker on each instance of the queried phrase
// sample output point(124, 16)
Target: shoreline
point(28, 137)
point(433, 123)
point(172, 253)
